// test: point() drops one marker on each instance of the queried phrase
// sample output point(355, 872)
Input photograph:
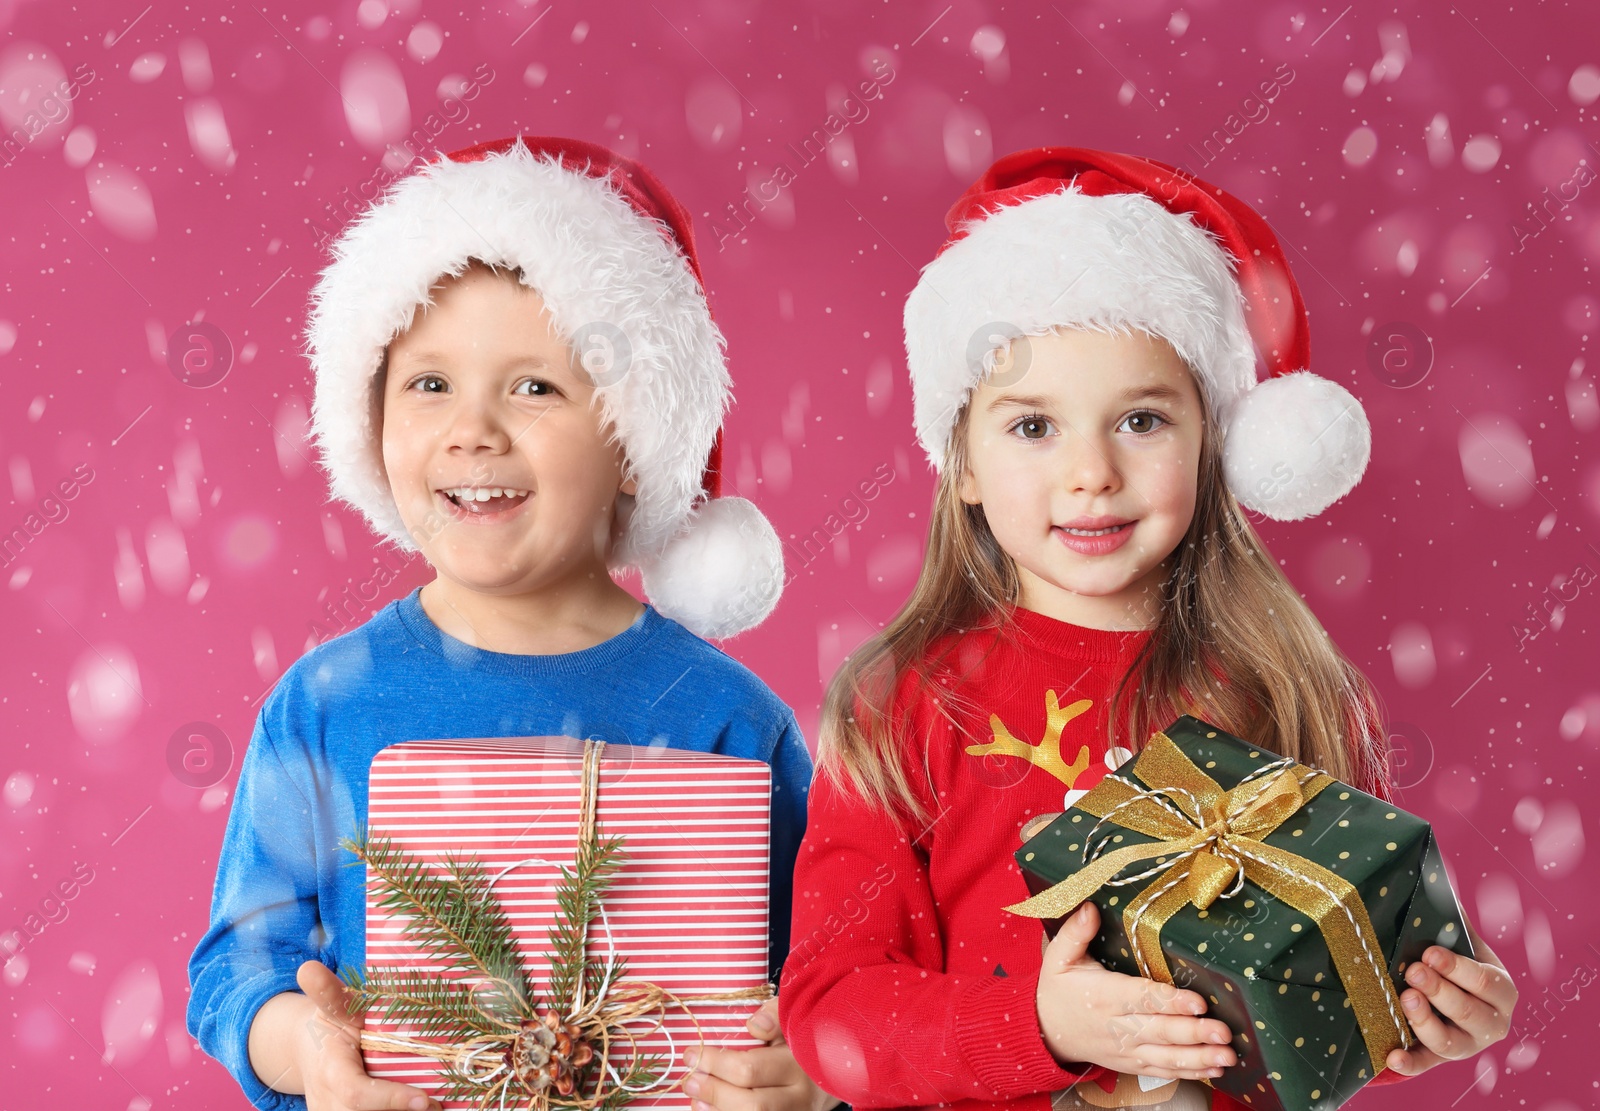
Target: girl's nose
point(1089, 464)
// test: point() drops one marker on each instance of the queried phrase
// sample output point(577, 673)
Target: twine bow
point(592, 1027)
point(1208, 842)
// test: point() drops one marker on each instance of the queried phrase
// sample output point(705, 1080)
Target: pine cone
point(548, 1053)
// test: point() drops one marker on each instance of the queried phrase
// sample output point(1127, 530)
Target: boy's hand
point(766, 1079)
point(1475, 996)
point(1089, 1013)
point(329, 1054)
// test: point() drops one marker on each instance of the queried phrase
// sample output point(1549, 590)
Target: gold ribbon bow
point(1208, 840)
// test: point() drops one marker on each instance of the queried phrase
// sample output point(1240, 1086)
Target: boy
point(454, 410)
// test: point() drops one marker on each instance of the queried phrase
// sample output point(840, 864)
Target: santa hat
point(612, 255)
point(1072, 237)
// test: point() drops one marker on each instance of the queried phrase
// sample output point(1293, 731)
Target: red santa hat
point(1072, 237)
point(612, 255)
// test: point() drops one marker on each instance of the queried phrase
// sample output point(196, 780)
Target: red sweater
point(907, 983)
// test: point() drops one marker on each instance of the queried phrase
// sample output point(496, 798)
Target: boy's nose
point(479, 426)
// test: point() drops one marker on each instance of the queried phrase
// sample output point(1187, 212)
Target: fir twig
point(639, 1074)
point(438, 1007)
point(578, 896)
point(453, 918)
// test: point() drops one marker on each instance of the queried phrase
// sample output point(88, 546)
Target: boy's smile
point(488, 504)
point(502, 464)
point(1083, 449)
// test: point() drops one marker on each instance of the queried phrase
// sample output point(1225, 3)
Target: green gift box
point(1291, 901)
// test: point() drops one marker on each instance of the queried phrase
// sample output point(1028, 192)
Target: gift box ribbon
point(1208, 842)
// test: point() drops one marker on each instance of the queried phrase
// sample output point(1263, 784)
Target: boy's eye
point(1033, 428)
point(1145, 416)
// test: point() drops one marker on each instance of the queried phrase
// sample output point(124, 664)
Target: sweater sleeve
point(866, 1005)
point(264, 921)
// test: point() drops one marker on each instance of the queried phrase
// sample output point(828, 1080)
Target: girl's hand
point(766, 1079)
point(329, 1054)
point(1127, 1023)
point(1475, 996)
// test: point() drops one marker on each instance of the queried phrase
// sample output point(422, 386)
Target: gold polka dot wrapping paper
point(1291, 901)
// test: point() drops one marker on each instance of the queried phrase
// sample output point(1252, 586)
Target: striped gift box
point(688, 910)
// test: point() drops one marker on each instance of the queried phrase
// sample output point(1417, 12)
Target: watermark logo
point(1410, 754)
point(54, 108)
point(355, 601)
point(199, 754)
point(199, 355)
point(1551, 611)
point(854, 909)
point(602, 352)
point(1400, 354)
point(52, 510)
point(53, 910)
point(357, 198)
point(1013, 353)
point(1253, 110)
point(997, 769)
point(854, 509)
point(1549, 207)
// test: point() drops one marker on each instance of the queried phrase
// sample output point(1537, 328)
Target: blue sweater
point(284, 893)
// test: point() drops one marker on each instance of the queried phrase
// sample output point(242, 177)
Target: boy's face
point(1064, 430)
point(482, 395)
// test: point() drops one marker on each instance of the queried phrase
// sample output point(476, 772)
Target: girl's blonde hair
point(1225, 609)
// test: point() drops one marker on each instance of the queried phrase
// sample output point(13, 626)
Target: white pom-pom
point(721, 576)
point(1295, 444)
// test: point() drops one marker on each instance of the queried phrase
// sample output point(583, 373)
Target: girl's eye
point(1033, 428)
point(1147, 416)
point(533, 387)
point(429, 383)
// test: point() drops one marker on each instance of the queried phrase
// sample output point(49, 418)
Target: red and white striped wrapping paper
point(688, 910)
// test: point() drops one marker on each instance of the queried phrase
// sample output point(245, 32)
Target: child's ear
point(630, 486)
point(967, 487)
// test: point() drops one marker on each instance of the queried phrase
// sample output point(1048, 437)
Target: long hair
point(1233, 644)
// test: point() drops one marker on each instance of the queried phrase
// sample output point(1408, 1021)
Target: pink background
point(1403, 162)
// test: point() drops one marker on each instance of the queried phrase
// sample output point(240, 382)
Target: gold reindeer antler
point(1047, 753)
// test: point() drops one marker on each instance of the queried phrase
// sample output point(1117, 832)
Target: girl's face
point(482, 397)
point(1080, 432)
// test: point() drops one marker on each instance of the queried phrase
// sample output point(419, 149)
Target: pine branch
point(458, 1088)
point(599, 973)
point(453, 918)
point(438, 1007)
point(494, 944)
point(578, 896)
point(639, 1074)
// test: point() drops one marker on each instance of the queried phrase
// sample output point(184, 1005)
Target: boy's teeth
point(465, 494)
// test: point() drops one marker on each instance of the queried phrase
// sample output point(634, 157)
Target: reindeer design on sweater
point(1047, 753)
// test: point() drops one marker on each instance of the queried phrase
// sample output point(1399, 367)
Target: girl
point(1089, 578)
